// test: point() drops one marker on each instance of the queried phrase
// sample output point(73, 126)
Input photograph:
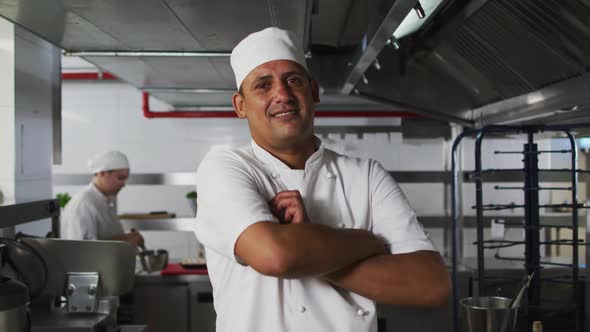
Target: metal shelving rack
point(532, 225)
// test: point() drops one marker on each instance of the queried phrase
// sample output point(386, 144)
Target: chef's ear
point(100, 173)
point(315, 91)
point(239, 105)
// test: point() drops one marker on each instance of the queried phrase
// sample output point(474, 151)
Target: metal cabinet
point(162, 307)
point(391, 318)
point(201, 313)
point(180, 304)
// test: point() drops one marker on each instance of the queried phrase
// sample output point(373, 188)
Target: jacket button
point(274, 175)
point(360, 312)
point(301, 309)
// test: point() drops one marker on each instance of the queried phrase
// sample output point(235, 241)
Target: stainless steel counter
point(57, 320)
point(143, 278)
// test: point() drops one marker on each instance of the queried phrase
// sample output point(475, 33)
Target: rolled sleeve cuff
point(235, 233)
point(222, 238)
point(407, 247)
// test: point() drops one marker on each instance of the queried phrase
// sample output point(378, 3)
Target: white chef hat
point(108, 161)
point(264, 46)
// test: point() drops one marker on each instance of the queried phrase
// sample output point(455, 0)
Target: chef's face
point(277, 98)
point(113, 181)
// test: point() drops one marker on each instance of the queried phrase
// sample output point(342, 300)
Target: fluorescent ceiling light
point(412, 22)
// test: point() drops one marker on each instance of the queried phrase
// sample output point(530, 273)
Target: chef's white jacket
point(235, 186)
point(90, 215)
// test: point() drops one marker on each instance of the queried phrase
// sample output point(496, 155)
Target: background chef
point(91, 214)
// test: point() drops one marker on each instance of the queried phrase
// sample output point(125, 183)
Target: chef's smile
point(285, 113)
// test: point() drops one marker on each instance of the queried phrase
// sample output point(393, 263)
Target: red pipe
point(365, 114)
point(88, 76)
point(231, 114)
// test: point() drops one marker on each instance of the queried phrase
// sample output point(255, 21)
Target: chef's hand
point(287, 206)
point(135, 238)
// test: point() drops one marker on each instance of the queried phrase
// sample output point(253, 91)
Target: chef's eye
point(294, 80)
point(261, 85)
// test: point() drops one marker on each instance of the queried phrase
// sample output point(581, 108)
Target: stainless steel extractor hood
point(474, 63)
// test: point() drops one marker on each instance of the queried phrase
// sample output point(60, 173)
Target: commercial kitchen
point(480, 110)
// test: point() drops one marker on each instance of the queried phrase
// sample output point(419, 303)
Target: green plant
point(63, 199)
point(191, 194)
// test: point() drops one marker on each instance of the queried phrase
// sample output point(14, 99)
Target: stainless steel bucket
point(488, 314)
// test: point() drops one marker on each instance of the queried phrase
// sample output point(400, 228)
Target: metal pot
point(153, 260)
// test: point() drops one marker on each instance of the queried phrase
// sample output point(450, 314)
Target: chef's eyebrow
point(284, 75)
point(261, 78)
point(265, 77)
point(296, 72)
point(289, 73)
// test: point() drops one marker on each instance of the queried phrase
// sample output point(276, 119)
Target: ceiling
point(472, 62)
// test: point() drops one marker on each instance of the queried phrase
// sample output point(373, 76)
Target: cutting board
point(175, 269)
point(151, 215)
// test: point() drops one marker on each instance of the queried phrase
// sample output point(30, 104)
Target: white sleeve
point(229, 201)
point(393, 217)
point(79, 222)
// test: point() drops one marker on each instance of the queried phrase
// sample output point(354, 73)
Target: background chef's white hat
point(264, 46)
point(108, 161)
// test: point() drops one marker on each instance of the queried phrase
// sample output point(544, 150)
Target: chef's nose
point(283, 92)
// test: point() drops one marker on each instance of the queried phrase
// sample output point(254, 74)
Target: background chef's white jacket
point(234, 187)
point(90, 215)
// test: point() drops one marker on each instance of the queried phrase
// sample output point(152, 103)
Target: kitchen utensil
point(142, 247)
point(488, 314)
point(142, 243)
point(153, 260)
point(516, 301)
